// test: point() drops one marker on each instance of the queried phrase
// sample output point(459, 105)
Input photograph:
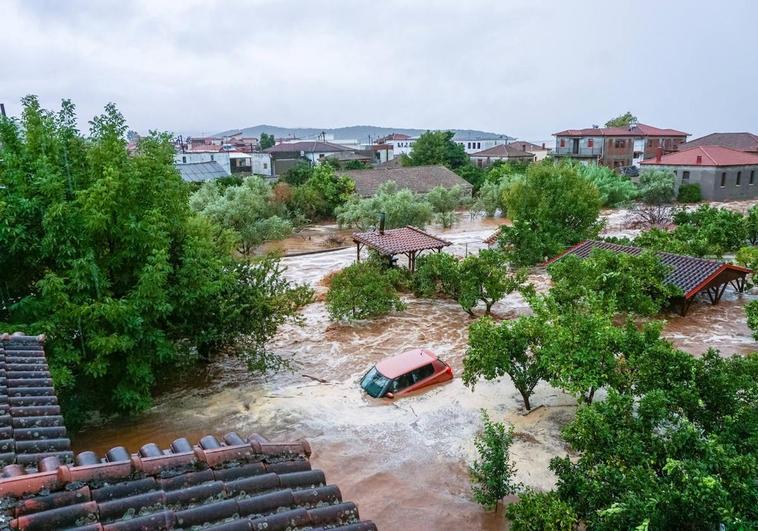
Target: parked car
point(405, 373)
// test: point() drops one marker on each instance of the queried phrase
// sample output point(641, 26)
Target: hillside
point(357, 132)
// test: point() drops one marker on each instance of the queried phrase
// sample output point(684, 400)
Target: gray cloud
point(525, 68)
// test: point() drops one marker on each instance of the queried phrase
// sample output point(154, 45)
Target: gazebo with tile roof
point(690, 274)
point(407, 241)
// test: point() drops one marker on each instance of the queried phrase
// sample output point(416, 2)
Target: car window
point(401, 382)
point(374, 383)
point(422, 372)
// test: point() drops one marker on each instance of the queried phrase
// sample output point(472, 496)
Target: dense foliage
point(444, 202)
point(689, 193)
point(266, 141)
point(437, 147)
point(656, 187)
point(552, 208)
point(249, 210)
point(541, 511)
point(101, 252)
point(491, 196)
point(622, 120)
point(613, 187)
point(492, 474)
point(478, 278)
point(625, 282)
point(364, 290)
point(401, 207)
point(321, 194)
point(510, 347)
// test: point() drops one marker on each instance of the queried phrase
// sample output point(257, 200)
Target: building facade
point(617, 147)
point(474, 143)
point(723, 174)
point(502, 152)
point(191, 157)
point(540, 151)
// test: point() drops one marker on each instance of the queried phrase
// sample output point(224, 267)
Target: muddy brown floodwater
point(403, 462)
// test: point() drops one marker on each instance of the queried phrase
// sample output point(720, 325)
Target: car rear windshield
point(374, 383)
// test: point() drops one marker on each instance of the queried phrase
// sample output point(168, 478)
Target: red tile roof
point(397, 241)
point(688, 273)
point(523, 145)
point(635, 130)
point(394, 136)
point(307, 147)
point(741, 141)
point(503, 150)
point(709, 156)
point(236, 484)
point(31, 425)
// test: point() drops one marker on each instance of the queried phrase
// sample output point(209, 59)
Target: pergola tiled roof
point(690, 274)
point(231, 484)
point(406, 240)
point(31, 425)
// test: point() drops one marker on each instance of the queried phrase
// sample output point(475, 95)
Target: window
point(184, 160)
point(563, 142)
point(590, 142)
point(478, 145)
point(422, 372)
point(213, 157)
point(265, 165)
point(649, 143)
point(739, 177)
point(752, 176)
point(620, 143)
point(723, 179)
point(685, 176)
point(468, 145)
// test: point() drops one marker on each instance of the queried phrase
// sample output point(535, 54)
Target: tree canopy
point(102, 253)
point(401, 206)
point(622, 120)
point(266, 141)
point(437, 147)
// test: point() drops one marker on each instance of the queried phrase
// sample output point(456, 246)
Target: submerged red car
point(405, 373)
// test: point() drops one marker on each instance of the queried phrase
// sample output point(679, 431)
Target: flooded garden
point(404, 462)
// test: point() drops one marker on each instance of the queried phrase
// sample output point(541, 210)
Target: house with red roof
point(616, 147)
point(722, 173)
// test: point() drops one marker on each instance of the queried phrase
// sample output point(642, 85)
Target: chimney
point(381, 223)
point(699, 159)
point(658, 154)
point(543, 145)
point(2, 110)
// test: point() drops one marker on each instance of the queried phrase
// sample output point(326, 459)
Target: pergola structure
point(690, 274)
point(408, 241)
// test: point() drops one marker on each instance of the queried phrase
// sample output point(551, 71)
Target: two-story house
point(617, 147)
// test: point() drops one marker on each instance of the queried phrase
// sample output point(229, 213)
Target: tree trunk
point(525, 396)
point(588, 398)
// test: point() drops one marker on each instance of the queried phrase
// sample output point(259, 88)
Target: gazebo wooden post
point(358, 252)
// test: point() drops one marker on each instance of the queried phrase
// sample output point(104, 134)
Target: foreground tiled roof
point(709, 156)
point(503, 150)
point(201, 171)
point(741, 141)
point(237, 484)
point(635, 130)
point(418, 179)
point(403, 240)
point(688, 273)
point(31, 426)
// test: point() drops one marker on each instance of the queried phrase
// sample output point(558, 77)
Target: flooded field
point(403, 462)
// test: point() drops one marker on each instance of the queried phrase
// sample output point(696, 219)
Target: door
point(575, 146)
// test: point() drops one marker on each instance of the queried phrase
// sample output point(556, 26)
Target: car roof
point(405, 362)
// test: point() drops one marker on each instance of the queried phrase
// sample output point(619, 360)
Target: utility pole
point(2, 110)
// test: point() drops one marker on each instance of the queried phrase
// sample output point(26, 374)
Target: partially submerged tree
point(444, 202)
point(614, 188)
point(509, 347)
point(363, 290)
point(492, 474)
point(400, 206)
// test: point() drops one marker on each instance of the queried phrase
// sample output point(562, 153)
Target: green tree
point(656, 187)
point(266, 141)
point(299, 173)
point(102, 253)
point(751, 312)
point(510, 347)
point(634, 284)
point(249, 210)
point(444, 202)
point(689, 193)
point(437, 147)
point(437, 275)
point(401, 206)
point(363, 290)
point(492, 474)
point(613, 188)
point(484, 277)
point(622, 120)
point(751, 224)
point(551, 208)
point(541, 511)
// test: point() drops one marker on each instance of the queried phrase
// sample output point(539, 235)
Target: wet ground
point(403, 462)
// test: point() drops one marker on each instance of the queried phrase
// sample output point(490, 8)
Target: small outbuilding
point(407, 241)
point(690, 274)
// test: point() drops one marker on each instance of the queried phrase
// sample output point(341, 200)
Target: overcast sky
point(527, 68)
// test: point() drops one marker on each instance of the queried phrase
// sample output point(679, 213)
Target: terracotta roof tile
point(709, 156)
point(418, 179)
point(741, 141)
point(635, 130)
point(403, 240)
point(688, 273)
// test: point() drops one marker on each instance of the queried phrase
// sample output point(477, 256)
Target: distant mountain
point(362, 133)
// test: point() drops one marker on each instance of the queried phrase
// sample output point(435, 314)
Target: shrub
point(689, 193)
point(436, 274)
point(541, 511)
point(656, 186)
point(444, 201)
point(361, 291)
point(614, 188)
point(492, 474)
point(402, 207)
